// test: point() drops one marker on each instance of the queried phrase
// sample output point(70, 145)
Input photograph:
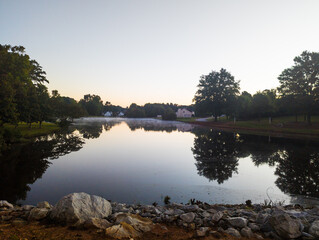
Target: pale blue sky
point(156, 50)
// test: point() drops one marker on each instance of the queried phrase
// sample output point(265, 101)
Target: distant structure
point(184, 113)
point(108, 114)
point(121, 114)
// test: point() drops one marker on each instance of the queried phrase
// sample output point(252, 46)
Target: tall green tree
point(93, 104)
point(215, 91)
point(301, 81)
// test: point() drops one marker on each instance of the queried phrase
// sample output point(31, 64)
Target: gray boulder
point(233, 232)
point(217, 216)
point(238, 222)
point(37, 214)
point(76, 208)
point(314, 228)
point(285, 226)
point(246, 232)
point(188, 217)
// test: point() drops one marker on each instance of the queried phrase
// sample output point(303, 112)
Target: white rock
point(80, 207)
point(4, 203)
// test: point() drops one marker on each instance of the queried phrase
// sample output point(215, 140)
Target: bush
point(169, 114)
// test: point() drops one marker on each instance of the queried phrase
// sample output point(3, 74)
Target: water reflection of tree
point(24, 164)
point(298, 171)
point(296, 162)
point(216, 154)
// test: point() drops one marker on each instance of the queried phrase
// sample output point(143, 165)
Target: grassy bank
point(280, 126)
point(23, 131)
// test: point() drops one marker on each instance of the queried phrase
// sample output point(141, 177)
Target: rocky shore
point(120, 221)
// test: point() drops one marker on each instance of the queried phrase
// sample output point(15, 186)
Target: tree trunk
point(309, 118)
point(40, 124)
point(296, 117)
point(215, 118)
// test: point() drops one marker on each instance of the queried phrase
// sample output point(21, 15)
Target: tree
point(135, 111)
point(244, 105)
point(301, 81)
point(92, 104)
point(214, 92)
point(169, 114)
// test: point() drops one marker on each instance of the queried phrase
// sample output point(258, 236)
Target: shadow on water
point(26, 163)
point(296, 162)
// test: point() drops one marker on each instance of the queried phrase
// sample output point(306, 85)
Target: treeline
point(24, 96)
point(298, 93)
point(151, 110)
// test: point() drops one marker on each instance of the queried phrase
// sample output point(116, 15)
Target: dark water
point(142, 161)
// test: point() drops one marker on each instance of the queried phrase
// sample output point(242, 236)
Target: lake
point(144, 160)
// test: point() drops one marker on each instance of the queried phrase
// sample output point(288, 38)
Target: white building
point(108, 114)
point(121, 114)
point(183, 113)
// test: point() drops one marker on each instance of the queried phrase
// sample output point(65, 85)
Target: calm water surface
point(143, 160)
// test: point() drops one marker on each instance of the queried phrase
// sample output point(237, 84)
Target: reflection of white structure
point(121, 114)
point(183, 113)
point(108, 114)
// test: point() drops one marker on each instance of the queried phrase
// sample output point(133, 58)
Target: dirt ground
point(36, 231)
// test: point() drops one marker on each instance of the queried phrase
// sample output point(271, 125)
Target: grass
point(187, 120)
point(26, 132)
point(279, 125)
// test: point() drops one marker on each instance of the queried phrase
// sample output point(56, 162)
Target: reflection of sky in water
point(139, 166)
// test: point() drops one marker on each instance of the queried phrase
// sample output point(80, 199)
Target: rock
point(97, 223)
point(44, 205)
point(237, 222)
point(80, 207)
point(169, 212)
point(137, 222)
point(27, 207)
point(37, 214)
point(19, 222)
point(217, 216)
point(261, 218)
point(5, 204)
point(215, 234)
point(122, 230)
point(190, 208)
point(285, 226)
point(307, 236)
point(205, 214)
point(188, 217)
point(233, 232)
point(258, 236)
point(212, 211)
point(201, 232)
point(314, 228)
point(254, 227)
point(246, 232)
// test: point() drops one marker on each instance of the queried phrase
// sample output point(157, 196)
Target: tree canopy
point(215, 92)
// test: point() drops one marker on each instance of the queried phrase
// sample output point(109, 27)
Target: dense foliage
point(298, 93)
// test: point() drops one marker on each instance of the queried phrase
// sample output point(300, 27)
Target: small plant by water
point(167, 200)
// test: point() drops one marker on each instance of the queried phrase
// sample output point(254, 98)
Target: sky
point(156, 50)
